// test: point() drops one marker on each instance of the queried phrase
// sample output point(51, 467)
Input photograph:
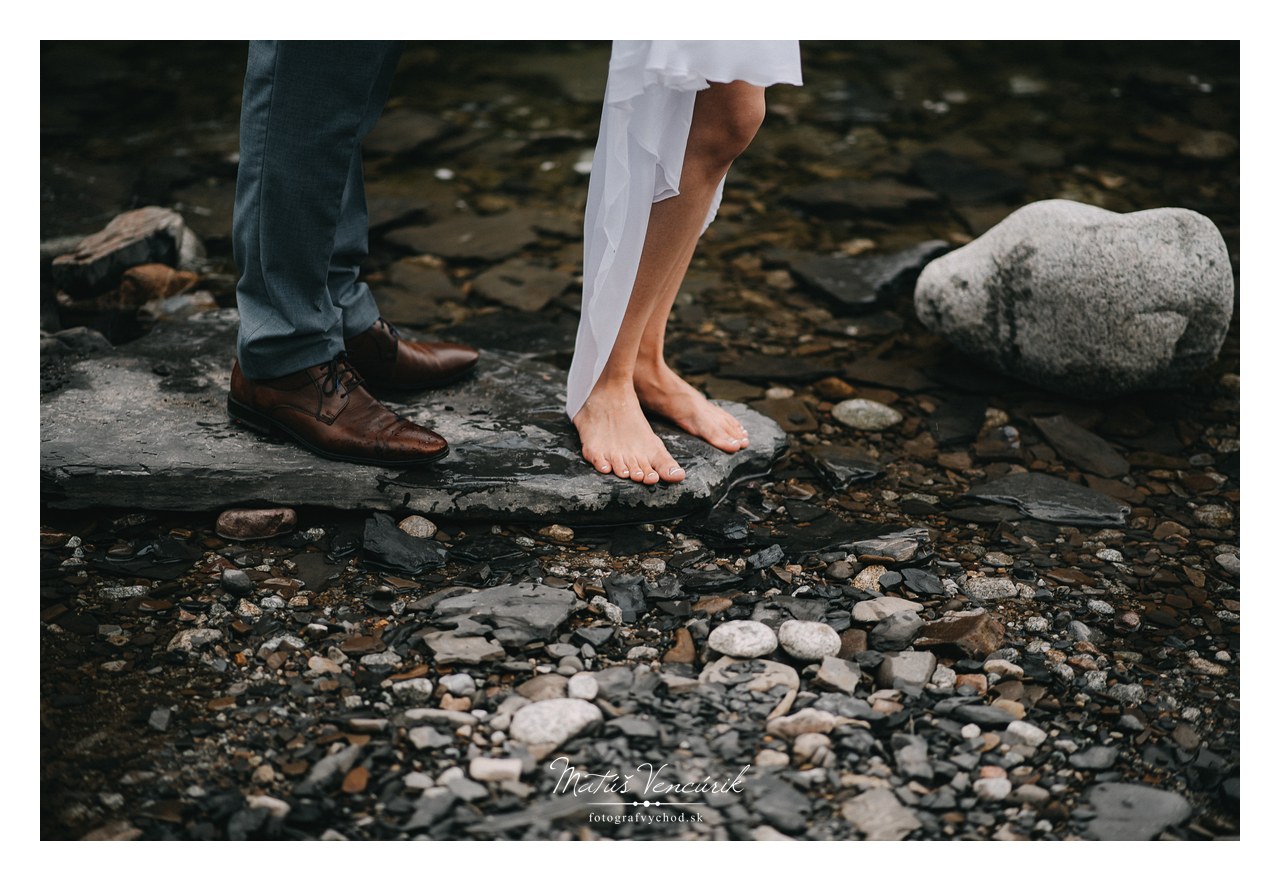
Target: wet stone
point(242, 524)
point(628, 595)
point(159, 719)
point(985, 589)
point(865, 415)
point(194, 640)
point(535, 608)
point(469, 238)
point(417, 526)
point(521, 285)
point(1053, 500)
point(841, 466)
point(973, 634)
point(1081, 447)
point(864, 281)
point(120, 434)
point(144, 235)
point(922, 583)
point(901, 547)
point(388, 547)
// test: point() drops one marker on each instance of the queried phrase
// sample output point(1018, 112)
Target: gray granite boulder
point(1084, 301)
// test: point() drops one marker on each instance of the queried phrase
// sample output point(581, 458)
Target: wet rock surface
point(146, 423)
point(294, 687)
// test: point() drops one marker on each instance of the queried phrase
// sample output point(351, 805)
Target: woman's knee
point(727, 127)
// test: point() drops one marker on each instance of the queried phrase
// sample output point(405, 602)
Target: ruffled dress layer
point(644, 128)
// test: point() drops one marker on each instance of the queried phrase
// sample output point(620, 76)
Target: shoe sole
point(268, 426)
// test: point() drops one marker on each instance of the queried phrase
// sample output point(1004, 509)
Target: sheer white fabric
point(648, 107)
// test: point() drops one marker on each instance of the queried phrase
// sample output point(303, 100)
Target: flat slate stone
point(1053, 500)
point(1081, 447)
point(469, 238)
point(864, 282)
point(145, 425)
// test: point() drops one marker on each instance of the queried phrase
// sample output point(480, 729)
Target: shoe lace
point(339, 373)
point(391, 328)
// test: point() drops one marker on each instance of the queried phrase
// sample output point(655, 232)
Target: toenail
point(673, 469)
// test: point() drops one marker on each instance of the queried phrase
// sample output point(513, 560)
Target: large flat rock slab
point(146, 426)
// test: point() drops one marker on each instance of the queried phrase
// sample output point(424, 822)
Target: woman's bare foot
point(617, 438)
point(662, 392)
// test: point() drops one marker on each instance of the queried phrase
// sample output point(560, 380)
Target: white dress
point(648, 107)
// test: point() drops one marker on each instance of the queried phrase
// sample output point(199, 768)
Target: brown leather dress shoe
point(327, 410)
point(388, 361)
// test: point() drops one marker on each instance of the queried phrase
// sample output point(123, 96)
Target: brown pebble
point(976, 636)
point(1128, 621)
point(356, 780)
point(420, 670)
point(240, 524)
point(1185, 736)
point(361, 645)
point(154, 281)
point(960, 461)
point(832, 388)
point(461, 704)
point(852, 641)
point(1013, 708)
point(295, 769)
point(712, 605)
point(683, 652)
point(974, 680)
point(1168, 529)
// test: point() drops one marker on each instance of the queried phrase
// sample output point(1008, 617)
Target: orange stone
point(356, 780)
point(712, 605)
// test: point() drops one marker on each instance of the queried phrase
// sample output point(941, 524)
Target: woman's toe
point(669, 469)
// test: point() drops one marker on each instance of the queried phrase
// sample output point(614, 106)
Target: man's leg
point(351, 244)
point(306, 106)
point(382, 357)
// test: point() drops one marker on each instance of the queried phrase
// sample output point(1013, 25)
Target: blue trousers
point(301, 226)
